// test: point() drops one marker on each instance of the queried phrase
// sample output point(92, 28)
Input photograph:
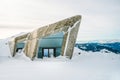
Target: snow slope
point(4, 47)
point(86, 66)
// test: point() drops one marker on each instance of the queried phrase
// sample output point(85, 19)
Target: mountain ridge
point(96, 46)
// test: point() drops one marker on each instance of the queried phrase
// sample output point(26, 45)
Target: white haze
point(100, 18)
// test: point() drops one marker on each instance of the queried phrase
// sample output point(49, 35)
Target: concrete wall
point(69, 27)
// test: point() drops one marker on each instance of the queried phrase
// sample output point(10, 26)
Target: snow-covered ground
point(86, 66)
point(4, 47)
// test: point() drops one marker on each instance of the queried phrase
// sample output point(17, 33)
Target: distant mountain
point(107, 46)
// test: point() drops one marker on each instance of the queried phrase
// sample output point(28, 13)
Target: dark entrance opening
point(19, 46)
point(48, 52)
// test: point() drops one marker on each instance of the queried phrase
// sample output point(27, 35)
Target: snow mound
point(77, 51)
point(21, 56)
point(52, 59)
point(105, 51)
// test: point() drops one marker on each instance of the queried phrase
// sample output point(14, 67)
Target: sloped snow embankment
point(84, 66)
point(4, 48)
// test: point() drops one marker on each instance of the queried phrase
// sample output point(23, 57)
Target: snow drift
point(83, 66)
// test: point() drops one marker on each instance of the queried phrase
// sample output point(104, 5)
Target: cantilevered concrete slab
point(69, 27)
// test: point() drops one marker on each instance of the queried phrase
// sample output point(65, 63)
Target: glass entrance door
point(45, 53)
point(48, 52)
point(51, 52)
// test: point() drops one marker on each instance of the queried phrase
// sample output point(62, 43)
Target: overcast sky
point(100, 18)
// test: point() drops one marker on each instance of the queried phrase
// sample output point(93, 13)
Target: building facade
point(49, 41)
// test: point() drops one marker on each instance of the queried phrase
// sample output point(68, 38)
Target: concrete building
point(48, 41)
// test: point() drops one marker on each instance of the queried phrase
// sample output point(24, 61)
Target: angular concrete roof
point(69, 27)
